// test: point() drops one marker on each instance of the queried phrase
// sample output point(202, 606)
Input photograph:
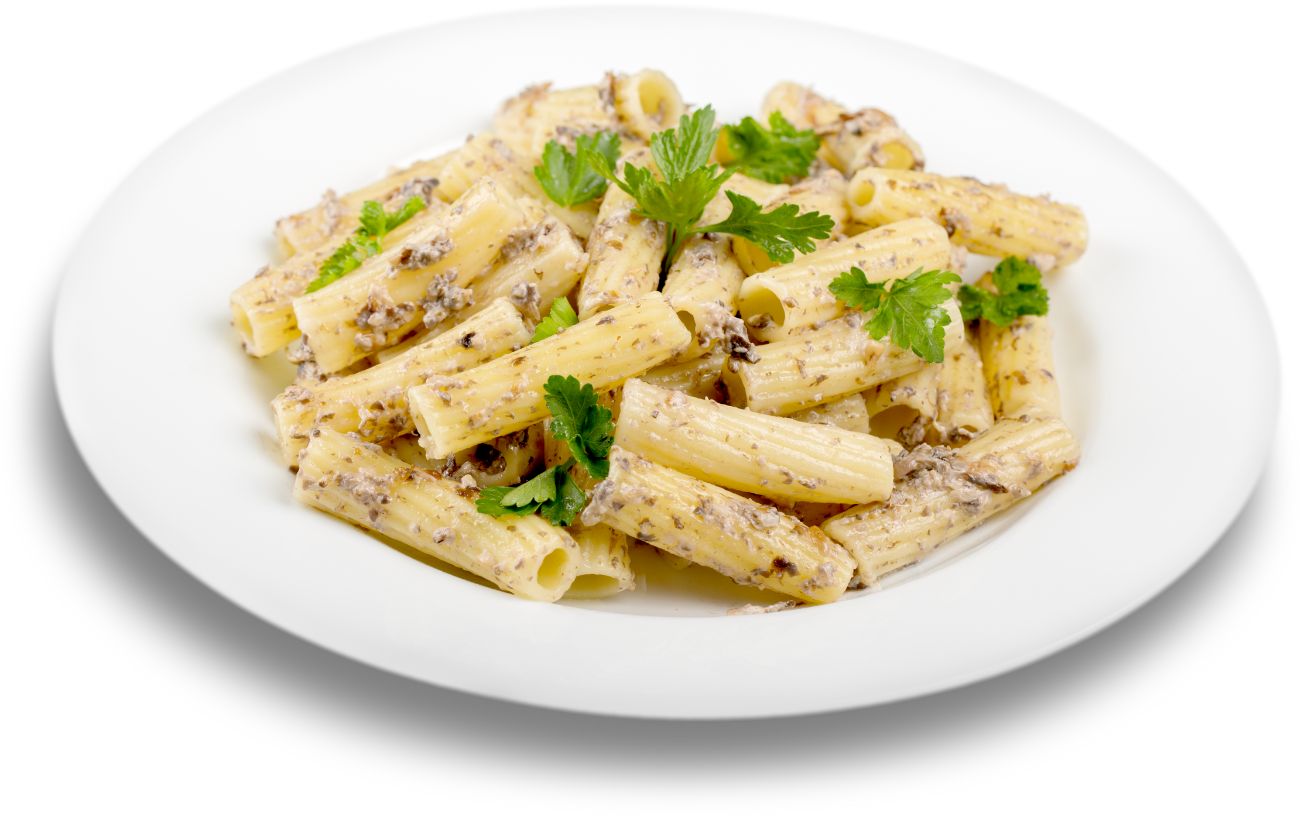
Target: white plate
point(1175, 411)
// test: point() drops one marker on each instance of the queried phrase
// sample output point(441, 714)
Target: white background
point(126, 683)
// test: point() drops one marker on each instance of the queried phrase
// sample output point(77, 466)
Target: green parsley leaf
point(685, 149)
point(578, 419)
point(774, 154)
point(1020, 291)
point(909, 310)
point(364, 241)
point(560, 317)
point(779, 232)
point(570, 178)
point(569, 499)
point(553, 494)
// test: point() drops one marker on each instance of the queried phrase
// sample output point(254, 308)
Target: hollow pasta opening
point(862, 193)
point(897, 157)
point(551, 573)
point(763, 301)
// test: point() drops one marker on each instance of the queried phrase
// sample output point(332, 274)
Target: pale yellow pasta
point(823, 192)
point(904, 408)
point(698, 376)
point(749, 542)
point(647, 102)
point(1019, 369)
point(984, 218)
point(262, 307)
point(848, 412)
point(945, 493)
point(486, 154)
point(604, 558)
point(850, 139)
point(335, 216)
point(357, 481)
point(540, 113)
point(746, 451)
point(819, 366)
point(703, 285)
point(372, 403)
point(795, 296)
point(532, 272)
point(964, 410)
point(625, 252)
point(419, 281)
point(506, 395)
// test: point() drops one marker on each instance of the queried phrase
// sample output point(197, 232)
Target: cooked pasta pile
point(606, 323)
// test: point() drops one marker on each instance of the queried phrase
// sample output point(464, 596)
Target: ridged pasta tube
point(507, 394)
point(795, 296)
point(945, 493)
point(984, 218)
point(904, 408)
point(646, 102)
point(372, 403)
point(420, 280)
point(749, 542)
point(770, 456)
point(698, 377)
point(703, 286)
point(335, 216)
point(849, 413)
point(625, 252)
point(964, 410)
point(360, 483)
point(850, 139)
point(1018, 365)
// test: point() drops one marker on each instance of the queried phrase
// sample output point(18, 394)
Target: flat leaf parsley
point(773, 154)
point(567, 177)
point(1020, 291)
point(909, 310)
point(578, 419)
point(686, 183)
point(560, 317)
point(376, 222)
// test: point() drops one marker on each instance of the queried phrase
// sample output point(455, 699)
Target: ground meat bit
point(297, 394)
point(1045, 262)
point(368, 489)
point(298, 351)
point(822, 577)
point(526, 239)
point(760, 321)
point(423, 253)
point(735, 340)
point(527, 298)
point(443, 298)
point(331, 211)
point(953, 220)
point(415, 187)
point(310, 372)
point(381, 313)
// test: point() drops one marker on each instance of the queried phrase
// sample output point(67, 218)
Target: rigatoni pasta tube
point(797, 295)
point(964, 410)
point(604, 556)
point(486, 155)
point(984, 218)
point(703, 285)
point(358, 482)
point(1018, 365)
point(751, 543)
point(262, 307)
point(904, 408)
point(534, 268)
point(625, 252)
point(819, 366)
point(541, 113)
point(698, 377)
point(823, 192)
point(770, 456)
point(850, 140)
point(391, 293)
point(945, 493)
point(372, 403)
point(335, 216)
point(849, 413)
point(506, 395)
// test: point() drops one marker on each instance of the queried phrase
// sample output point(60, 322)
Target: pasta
point(610, 329)
point(984, 218)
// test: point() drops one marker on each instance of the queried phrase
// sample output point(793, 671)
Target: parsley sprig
point(587, 427)
point(376, 222)
point(773, 154)
point(1020, 291)
point(909, 310)
point(567, 177)
point(560, 317)
point(686, 183)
